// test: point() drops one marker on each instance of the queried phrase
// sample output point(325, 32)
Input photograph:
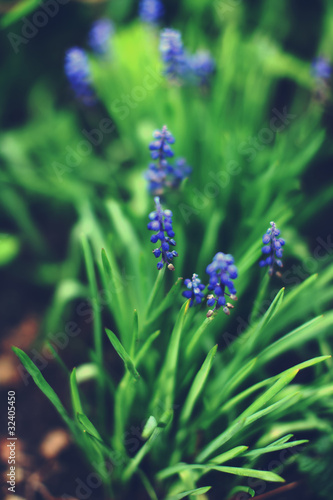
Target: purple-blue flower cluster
point(99, 36)
point(194, 290)
point(181, 66)
point(161, 223)
point(202, 66)
point(272, 249)
point(162, 174)
point(172, 53)
point(78, 73)
point(222, 272)
point(151, 11)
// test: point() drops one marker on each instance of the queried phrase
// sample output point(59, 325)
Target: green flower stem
point(97, 326)
point(262, 292)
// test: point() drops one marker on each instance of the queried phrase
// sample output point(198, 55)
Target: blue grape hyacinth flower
point(151, 11)
point(202, 66)
point(222, 272)
point(172, 53)
point(78, 74)
point(272, 249)
point(160, 149)
point(162, 174)
point(194, 290)
point(161, 223)
point(99, 35)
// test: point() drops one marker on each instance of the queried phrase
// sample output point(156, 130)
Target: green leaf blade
point(128, 362)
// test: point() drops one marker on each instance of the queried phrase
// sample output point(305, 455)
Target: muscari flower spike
point(78, 73)
point(221, 273)
point(99, 36)
point(161, 222)
point(272, 249)
point(151, 11)
point(161, 174)
point(172, 52)
point(202, 66)
point(194, 290)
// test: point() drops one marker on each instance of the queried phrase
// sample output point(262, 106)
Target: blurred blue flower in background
point(194, 290)
point(172, 52)
point(100, 35)
point(272, 249)
point(181, 171)
point(162, 174)
point(321, 68)
point(77, 70)
point(202, 66)
point(221, 273)
point(151, 11)
point(161, 222)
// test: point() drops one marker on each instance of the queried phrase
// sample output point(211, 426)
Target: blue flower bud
point(273, 248)
point(221, 273)
point(158, 224)
point(211, 302)
point(233, 272)
point(221, 301)
point(195, 290)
